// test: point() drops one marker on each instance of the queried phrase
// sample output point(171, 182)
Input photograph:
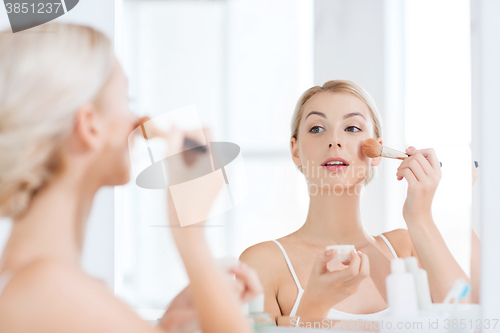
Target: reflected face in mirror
point(334, 125)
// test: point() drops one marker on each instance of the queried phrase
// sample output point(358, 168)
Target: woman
point(64, 124)
point(329, 125)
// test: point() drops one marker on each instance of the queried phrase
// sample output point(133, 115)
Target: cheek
point(309, 151)
point(121, 125)
point(362, 167)
point(357, 150)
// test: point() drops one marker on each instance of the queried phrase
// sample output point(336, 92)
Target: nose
point(336, 139)
point(338, 145)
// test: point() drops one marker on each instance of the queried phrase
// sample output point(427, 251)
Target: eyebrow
point(321, 114)
point(349, 115)
point(353, 114)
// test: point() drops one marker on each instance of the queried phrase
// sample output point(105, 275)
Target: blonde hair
point(45, 76)
point(338, 86)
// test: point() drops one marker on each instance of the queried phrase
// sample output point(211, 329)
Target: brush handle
point(393, 153)
point(396, 154)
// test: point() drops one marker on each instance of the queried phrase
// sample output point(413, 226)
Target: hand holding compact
point(326, 288)
point(422, 171)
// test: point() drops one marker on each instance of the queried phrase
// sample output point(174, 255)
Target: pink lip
point(335, 167)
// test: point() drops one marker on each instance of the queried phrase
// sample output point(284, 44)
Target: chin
point(125, 179)
point(336, 185)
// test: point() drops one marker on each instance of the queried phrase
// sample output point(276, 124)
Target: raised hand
point(422, 171)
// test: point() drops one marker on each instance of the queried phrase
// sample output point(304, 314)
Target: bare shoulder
point(400, 241)
point(266, 258)
point(62, 298)
point(261, 254)
point(40, 276)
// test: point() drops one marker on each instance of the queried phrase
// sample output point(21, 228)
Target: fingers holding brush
point(423, 173)
point(424, 165)
point(415, 166)
point(420, 164)
point(429, 154)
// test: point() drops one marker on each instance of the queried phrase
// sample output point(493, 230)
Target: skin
point(50, 292)
point(334, 218)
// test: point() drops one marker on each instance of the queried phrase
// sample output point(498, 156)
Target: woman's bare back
point(57, 297)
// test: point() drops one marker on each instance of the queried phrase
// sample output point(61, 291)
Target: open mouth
point(335, 162)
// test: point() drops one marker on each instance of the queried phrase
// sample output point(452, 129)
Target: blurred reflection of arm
point(218, 308)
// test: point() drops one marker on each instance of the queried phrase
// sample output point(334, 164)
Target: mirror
point(245, 64)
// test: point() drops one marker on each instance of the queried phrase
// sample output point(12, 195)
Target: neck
point(335, 219)
point(53, 226)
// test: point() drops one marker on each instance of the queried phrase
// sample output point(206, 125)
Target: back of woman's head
point(45, 76)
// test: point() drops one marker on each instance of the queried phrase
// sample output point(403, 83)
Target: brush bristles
point(371, 148)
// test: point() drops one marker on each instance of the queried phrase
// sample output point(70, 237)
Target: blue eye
point(316, 129)
point(353, 129)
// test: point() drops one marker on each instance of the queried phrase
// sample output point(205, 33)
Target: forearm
point(218, 309)
point(442, 268)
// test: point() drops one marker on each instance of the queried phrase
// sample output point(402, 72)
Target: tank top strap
point(389, 246)
point(289, 263)
point(295, 278)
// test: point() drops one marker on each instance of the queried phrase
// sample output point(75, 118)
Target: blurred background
point(244, 64)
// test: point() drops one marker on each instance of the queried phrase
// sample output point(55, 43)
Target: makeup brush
point(155, 132)
point(373, 149)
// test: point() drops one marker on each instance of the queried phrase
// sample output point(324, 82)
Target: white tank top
point(332, 314)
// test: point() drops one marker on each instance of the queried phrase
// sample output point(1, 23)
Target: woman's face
point(332, 130)
point(117, 122)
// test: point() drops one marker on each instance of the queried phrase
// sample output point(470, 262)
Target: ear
point(294, 148)
point(376, 161)
point(88, 128)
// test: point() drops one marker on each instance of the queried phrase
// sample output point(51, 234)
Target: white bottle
point(258, 317)
point(401, 293)
point(421, 283)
